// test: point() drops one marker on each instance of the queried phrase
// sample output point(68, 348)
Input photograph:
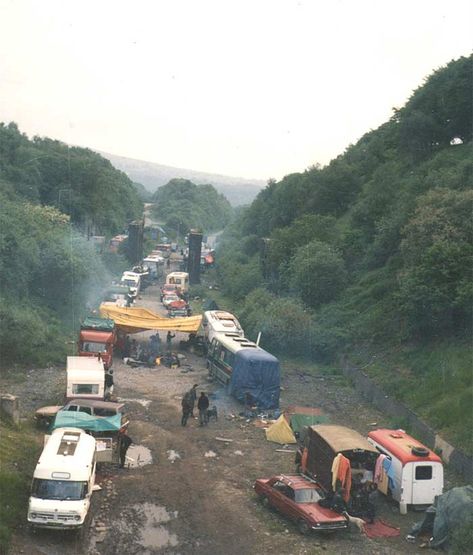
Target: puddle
point(143, 402)
point(153, 534)
point(137, 456)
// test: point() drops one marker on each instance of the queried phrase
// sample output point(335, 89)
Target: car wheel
point(303, 527)
point(265, 502)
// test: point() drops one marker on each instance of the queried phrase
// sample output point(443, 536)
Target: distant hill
point(236, 189)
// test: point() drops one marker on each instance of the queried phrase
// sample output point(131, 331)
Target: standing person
point(124, 441)
point(108, 383)
point(186, 409)
point(193, 397)
point(203, 405)
point(169, 338)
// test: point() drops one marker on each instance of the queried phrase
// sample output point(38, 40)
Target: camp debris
point(280, 432)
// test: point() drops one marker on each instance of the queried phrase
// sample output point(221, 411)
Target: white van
point(133, 280)
point(63, 480)
point(220, 321)
point(180, 279)
point(416, 472)
point(85, 378)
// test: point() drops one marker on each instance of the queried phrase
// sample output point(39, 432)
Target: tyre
point(303, 527)
point(420, 451)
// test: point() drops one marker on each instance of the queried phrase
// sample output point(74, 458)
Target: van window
point(59, 489)
point(423, 473)
point(85, 389)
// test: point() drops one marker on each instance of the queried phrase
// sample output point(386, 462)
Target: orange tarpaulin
point(135, 319)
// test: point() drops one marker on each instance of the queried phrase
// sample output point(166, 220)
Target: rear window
point(423, 473)
point(85, 389)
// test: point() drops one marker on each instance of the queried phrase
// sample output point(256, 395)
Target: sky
point(248, 88)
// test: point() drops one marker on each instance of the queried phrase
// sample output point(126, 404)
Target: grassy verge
point(19, 451)
point(436, 381)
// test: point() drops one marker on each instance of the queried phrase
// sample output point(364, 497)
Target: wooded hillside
point(51, 198)
point(373, 253)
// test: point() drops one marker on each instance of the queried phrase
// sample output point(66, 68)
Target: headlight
point(33, 515)
point(77, 517)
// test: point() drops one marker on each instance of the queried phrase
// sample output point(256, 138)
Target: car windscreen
point(59, 489)
point(309, 495)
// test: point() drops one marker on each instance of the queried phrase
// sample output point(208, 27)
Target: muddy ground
point(187, 492)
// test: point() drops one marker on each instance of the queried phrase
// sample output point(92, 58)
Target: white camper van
point(180, 280)
point(133, 280)
point(220, 321)
point(85, 378)
point(415, 473)
point(63, 480)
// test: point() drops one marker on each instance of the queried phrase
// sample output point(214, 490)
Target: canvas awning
point(136, 319)
point(84, 421)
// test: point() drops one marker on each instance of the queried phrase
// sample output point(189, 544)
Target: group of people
point(145, 353)
point(188, 404)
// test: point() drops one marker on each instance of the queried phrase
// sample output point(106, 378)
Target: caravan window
point(85, 389)
point(423, 473)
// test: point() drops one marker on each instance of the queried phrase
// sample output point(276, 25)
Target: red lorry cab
point(97, 335)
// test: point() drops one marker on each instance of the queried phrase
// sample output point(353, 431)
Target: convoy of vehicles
point(63, 480)
point(298, 499)
point(86, 429)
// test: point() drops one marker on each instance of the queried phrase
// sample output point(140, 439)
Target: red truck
point(97, 336)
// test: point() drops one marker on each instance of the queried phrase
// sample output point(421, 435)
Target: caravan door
point(427, 480)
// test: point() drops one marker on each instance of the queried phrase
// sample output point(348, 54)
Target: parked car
point(178, 312)
point(167, 289)
point(297, 498)
point(45, 415)
point(168, 299)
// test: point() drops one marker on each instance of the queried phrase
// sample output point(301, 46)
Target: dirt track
point(196, 496)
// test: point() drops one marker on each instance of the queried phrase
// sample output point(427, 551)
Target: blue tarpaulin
point(256, 372)
point(84, 421)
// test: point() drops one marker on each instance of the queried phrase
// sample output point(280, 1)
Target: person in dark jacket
point(186, 409)
point(124, 441)
point(203, 405)
point(193, 397)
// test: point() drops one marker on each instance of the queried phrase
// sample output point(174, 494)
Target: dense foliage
point(51, 199)
point(375, 250)
point(98, 198)
point(184, 206)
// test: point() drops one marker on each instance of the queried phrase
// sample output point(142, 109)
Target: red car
point(297, 498)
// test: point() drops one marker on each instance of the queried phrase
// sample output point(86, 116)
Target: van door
point(424, 483)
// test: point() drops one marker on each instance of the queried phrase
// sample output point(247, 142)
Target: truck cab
point(97, 337)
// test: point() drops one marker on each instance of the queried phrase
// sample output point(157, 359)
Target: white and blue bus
point(245, 369)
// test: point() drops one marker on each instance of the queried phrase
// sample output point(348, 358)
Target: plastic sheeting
point(136, 319)
point(451, 510)
point(300, 421)
point(84, 421)
point(256, 372)
point(280, 432)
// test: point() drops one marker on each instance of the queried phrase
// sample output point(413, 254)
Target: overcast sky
point(257, 88)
